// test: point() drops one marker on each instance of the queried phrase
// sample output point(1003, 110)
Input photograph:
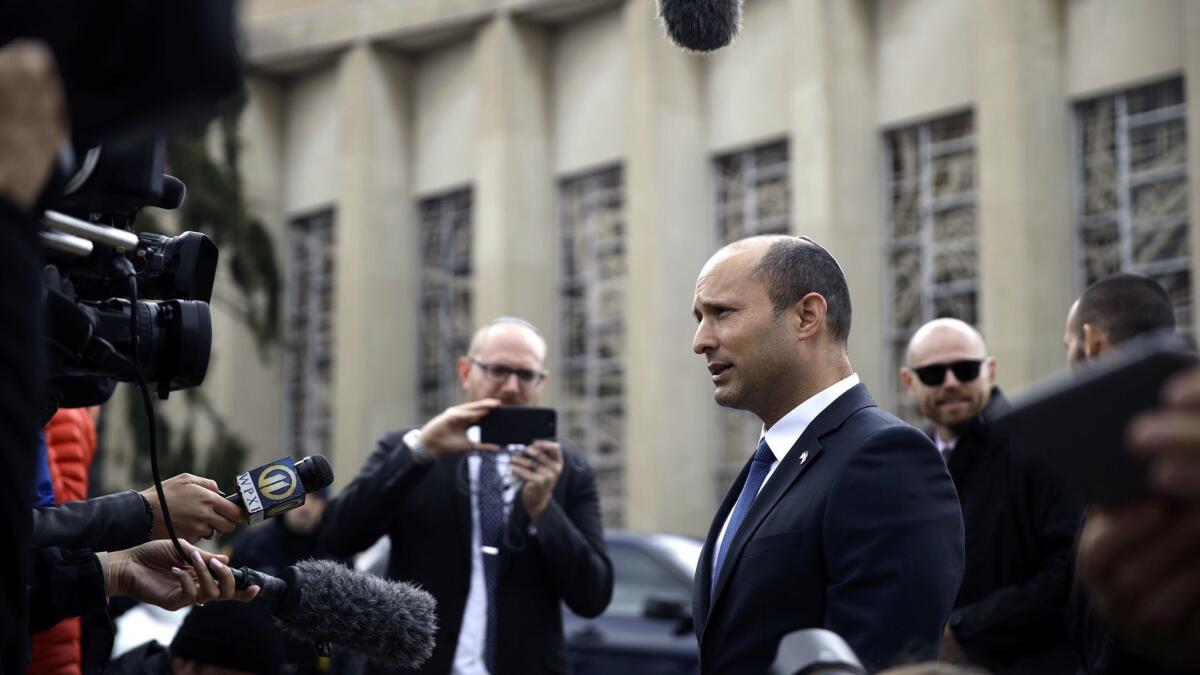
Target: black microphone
point(391, 623)
point(275, 487)
point(701, 25)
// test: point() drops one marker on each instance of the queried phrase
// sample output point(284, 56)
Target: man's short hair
point(793, 267)
point(1124, 306)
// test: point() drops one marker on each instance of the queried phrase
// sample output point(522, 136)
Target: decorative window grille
point(592, 307)
point(1132, 200)
point(753, 197)
point(309, 358)
point(932, 234)
point(445, 326)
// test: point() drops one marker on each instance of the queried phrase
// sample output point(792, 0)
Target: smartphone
point(518, 425)
point(1076, 423)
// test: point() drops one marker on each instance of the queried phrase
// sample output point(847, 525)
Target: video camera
point(125, 306)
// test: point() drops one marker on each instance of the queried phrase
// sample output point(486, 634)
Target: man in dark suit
point(845, 518)
point(1020, 521)
point(501, 541)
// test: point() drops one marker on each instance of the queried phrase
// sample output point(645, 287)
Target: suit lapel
point(790, 468)
point(701, 597)
point(462, 503)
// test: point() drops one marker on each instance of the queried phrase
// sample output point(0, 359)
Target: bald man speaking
point(1019, 522)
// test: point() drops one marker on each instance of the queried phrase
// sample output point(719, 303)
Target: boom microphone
point(701, 25)
point(391, 623)
point(279, 486)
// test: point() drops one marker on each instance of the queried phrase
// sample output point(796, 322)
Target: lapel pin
point(804, 457)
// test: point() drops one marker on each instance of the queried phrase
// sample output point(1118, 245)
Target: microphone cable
point(124, 265)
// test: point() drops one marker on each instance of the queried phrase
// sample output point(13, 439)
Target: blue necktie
point(491, 529)
point(759, 467)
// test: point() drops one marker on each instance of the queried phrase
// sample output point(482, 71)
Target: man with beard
point(501, 540)
point(1020, 524)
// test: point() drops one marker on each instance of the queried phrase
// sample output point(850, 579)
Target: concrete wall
point(312, 124)
point(743, 91)
point(925, 57)
point(1113, 43)
point(446, 103)
point(367, 107)
point(589, 75)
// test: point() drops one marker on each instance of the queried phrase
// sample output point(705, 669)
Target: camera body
point(137, 313)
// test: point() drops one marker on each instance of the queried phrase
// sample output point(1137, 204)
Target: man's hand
point(539, 465)
point(32, 119)
point(1170, 439)
point(1138, 565)
point(197, 508)
point(447, 433)
point(153, 573)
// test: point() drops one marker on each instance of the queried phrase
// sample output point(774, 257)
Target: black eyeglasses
point(934, 374)
point(499, 374)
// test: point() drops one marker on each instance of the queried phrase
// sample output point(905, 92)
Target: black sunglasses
point(934, 374)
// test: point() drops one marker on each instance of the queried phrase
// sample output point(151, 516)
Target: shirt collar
point(784, 433)
point(944, 447)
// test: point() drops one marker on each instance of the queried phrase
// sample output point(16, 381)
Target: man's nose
point(703, 340)
point(512, 384)
point(950, 380)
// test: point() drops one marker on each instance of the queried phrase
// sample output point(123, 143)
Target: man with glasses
point(501, 540)
point(1019, 522)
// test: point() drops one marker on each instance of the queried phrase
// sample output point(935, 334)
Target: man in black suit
point(845, 518)
point(501, 541)
point(1020, 521)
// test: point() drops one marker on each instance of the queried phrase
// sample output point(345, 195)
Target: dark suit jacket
point(427, 511)
point(1020, 525)
point(864, 537)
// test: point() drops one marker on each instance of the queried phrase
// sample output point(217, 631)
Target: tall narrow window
point(592, 308)
point(753, 197)
point(932, 239)
point(445, 326)
point(309, 357)
point(1132, 203)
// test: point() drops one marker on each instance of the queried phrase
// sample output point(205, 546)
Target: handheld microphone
point(391, 623)
point(701, 25)
point(279, 486)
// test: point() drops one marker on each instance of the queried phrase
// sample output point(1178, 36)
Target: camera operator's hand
point(1138, 563)
point(154, 574)
point(539, 466)
point(447, 433)
point(32, 119)
point(197, 508)
point(1170, 439)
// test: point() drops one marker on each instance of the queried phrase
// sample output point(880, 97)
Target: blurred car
point(647, 628)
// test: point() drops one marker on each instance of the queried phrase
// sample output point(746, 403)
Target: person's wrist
point(415, 442)
point(113, 564)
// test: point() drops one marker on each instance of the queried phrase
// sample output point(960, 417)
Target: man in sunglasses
point(1019, 522)
point(501, 541)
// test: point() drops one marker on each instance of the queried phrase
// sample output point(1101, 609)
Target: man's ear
point(1094, 340)
point(464, 370)
point(808, 315)
point(906, 378)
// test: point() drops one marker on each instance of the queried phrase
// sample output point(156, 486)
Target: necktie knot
point(763, 452)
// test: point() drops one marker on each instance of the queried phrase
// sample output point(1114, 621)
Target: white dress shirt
point(468, 654)
point(944, 447)
point(783, 434)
